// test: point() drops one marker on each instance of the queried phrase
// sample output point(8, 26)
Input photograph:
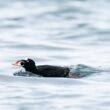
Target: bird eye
point(22, 63)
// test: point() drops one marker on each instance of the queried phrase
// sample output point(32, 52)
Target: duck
point(75, 71)
point(42, 70)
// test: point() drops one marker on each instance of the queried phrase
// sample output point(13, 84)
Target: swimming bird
point(77, 71)
point(42, 70)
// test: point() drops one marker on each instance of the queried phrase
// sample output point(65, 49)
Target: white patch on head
point(26, 58)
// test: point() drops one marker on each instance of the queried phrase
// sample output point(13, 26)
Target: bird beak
point(17, 63)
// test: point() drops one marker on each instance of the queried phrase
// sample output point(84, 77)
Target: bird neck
point(31, 69)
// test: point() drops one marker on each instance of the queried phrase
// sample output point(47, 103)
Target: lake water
point(55, 32)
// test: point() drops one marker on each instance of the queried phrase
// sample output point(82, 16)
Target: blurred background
point(56, 32)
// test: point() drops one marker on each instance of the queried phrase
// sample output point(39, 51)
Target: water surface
point(58, 32)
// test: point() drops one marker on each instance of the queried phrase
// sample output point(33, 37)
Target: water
point(56, 32)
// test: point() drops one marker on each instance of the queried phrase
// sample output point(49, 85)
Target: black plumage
point(43, 70)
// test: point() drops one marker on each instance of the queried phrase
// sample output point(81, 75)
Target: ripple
point(60, 32)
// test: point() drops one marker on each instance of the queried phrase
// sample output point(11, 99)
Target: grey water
point(55, 32)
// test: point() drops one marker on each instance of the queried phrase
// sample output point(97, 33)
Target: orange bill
point(17, 63)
